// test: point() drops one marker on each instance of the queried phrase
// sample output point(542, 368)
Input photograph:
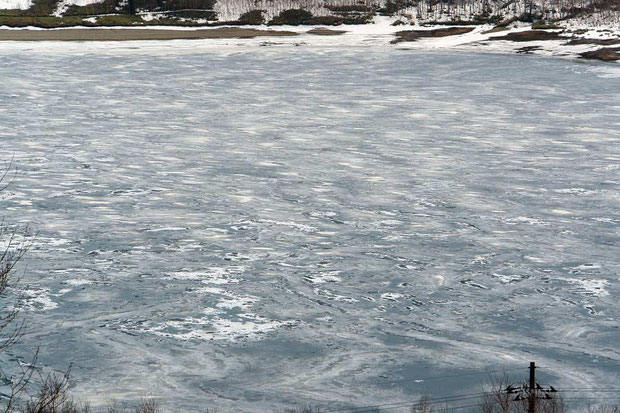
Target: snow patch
point(15, 4)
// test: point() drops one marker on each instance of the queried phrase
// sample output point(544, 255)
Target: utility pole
point(530, 391)
point(532, 401)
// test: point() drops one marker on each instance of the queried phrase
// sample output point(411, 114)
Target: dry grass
point(530, 36)
point(326, 32)
point(600, 42)
point(413, 35)
point(606, 54)
point(136, 34)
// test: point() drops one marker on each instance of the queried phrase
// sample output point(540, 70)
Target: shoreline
point(598, 43)
point(131, 34)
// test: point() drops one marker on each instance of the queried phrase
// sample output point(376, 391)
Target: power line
point(526, 390)
point(589, 390)
point(452, 399)
point(461, 375)
point(460, 407)
point(449, 399)
point(409, 406)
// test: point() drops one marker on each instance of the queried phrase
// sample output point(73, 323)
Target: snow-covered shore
point(569, 42)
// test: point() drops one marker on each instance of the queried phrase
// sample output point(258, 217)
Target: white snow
point(62, 5)
point(378, 34)
point(15, 4)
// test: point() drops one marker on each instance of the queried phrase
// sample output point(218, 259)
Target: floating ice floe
point(167, 229)
point(323, 277)
point(229, 319)
point(332, 296)
point(587, 268)
point(37, 299)
point(575, 191)
point(217, 328)
point(589, 287)
point(291, 224)
point(213, 275)
point(77, 282)
point(391, 296)
point(215, 324)
point(509, 278)
point(525, 220)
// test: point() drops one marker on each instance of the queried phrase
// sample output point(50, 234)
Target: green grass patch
point(11, 12)
point(120, 20)
point(45, 22)
point(171, 21)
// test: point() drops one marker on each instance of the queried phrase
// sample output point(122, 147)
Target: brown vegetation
point(606, 54)
point(326, 32)
point(530, 36)
point(137, 34)
point(413, 35)
point(528, 49)
point(253, 17)
point(496, 29)
point(600, 42)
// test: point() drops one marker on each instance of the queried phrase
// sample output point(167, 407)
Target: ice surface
point(245, 228)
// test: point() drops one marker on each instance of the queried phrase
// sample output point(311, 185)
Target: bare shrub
point(148, 406)
point(53, 397)
point(423, 405)
point(10, 329)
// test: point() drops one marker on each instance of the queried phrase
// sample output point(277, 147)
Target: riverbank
point(601, 43)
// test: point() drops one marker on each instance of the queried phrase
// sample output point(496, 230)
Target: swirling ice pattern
point(252, 229)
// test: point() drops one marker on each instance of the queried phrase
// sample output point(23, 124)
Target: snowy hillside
point(15, 4)
point(330, 12)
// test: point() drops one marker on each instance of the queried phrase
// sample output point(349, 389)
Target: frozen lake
point(255, 228)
